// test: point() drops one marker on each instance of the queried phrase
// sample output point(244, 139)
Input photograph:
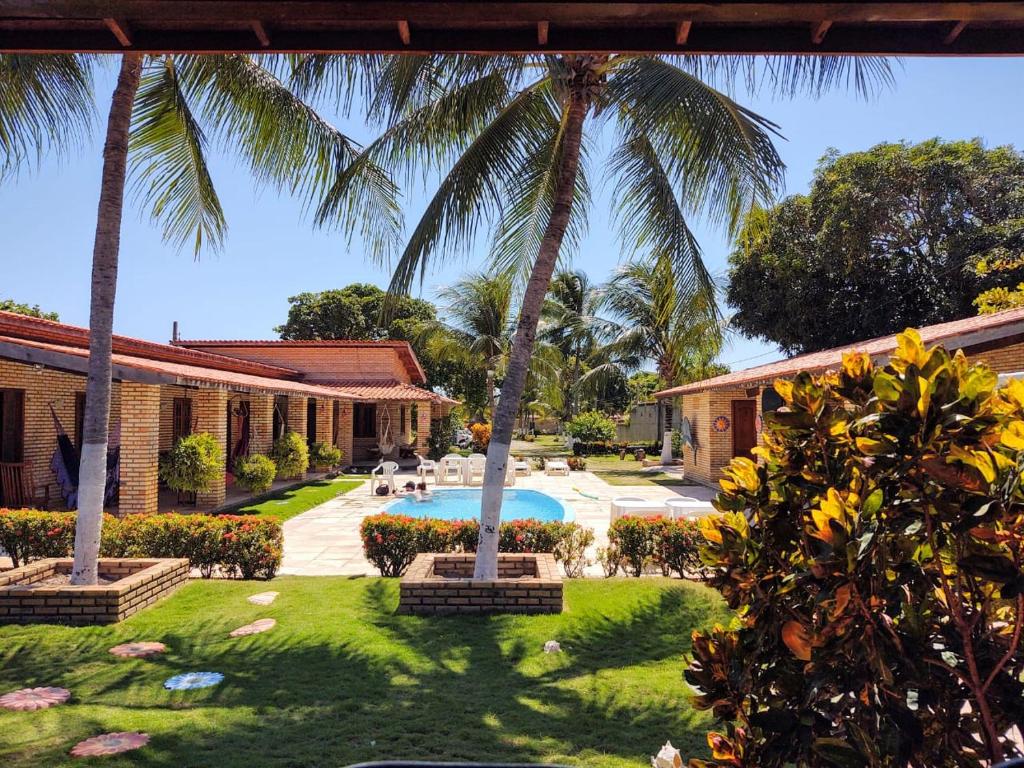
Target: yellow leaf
point(869, 447)
point(925, 398)
point(797, 639)
point(785, 389)
point(1013, 436)
point(709, 528)
point(909, 348)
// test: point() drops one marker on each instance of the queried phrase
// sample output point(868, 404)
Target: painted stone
point(190, 681)
point(263, 598)
point(260, 625)
point(138, 650)
point(110, 744)
point(32, 699)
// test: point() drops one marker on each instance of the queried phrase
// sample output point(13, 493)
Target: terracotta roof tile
point(388, 390)
point(961, 333)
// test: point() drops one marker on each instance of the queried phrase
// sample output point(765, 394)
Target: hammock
point(66, 463)
point(386, 443)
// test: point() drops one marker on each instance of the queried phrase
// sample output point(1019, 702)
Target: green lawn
point(341, 679)
point(616, 471)
point(294, 501)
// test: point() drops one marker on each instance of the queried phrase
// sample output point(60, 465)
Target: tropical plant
point(255, 472)
point(194, 464)
point(32, 310)
point(442, 435)
point(591, 427)
point(324, 455)
point(874, 558)
point(507, 136)
point(291, 455)
point(162, 110)
point(922, 229)
point(481, 436)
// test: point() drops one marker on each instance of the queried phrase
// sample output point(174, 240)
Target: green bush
point(591, 427)
point(875, 559)
point(291, 455)
point(324, 455)
point(442, 435)
point(241, 546)
point(194, 464)
point(391, 542)
point(677, 548)
point(636, 541)
point(255, 473)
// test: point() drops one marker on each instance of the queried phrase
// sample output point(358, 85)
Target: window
point(12, 425)
point(364, 420)
point(181, 419)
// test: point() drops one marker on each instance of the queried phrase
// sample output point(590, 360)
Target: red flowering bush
point(672, 545)
point(678, 546)
point(244, 546)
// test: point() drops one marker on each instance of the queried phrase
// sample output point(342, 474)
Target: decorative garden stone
point(32, 699)
point(263, 598)
point(110, 744)
point(667, 757)
point(260, 625)
point(552, 646)
point(190, 681)
point(138, 650)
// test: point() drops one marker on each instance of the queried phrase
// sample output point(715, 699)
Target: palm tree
point(157, 117)
point(655, 320)
point(508, 137)
point(570, 322)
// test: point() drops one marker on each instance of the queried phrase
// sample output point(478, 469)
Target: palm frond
point(46, 104)
point(169, 168)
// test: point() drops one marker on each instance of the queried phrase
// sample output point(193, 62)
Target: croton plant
point(873, 557)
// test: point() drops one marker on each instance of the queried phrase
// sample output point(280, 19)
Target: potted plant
point(324, 457)
point(194, 464)
point(255, 473)
point(291, 455)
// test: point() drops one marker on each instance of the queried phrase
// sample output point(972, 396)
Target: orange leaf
point(797, 639)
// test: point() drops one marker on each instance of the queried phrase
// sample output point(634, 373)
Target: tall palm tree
point(508, 136)
point(570, 322)
point(655, 320)
point(160, 113)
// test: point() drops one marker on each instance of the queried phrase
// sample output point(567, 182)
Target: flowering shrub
point(242, 546)
point(640, 542)
point(677, 548)
point(391, 542)
point(875, 558)
point(291, 455)
point(481, 437)
point(636, 541)
point(255, 473)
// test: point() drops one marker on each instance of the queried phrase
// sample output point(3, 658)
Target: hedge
point(635, 543)
point(242, 546)
point(391, 542)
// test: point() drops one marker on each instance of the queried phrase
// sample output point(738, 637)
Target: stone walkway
point(325, 540)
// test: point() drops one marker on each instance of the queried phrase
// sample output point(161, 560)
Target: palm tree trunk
point(93, 471)
point(526, 333)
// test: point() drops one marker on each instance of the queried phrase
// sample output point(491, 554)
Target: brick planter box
point(443, 583)
point(139, 582)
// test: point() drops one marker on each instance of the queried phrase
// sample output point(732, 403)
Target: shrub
point(194, 464)
point(611, 561)
point(244, 546)
point(576, 463)
point(677, 444)
point(391, 542)
point(591, 427)
point(571, 550)
point(291, 455)
point(481, 437)
point(324, 455)
point(442, 435)
point(636, 540)
point(677, 548)
point(255, 473)
point(875, 557)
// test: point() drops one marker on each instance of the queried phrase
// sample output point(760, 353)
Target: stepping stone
point(190, 681)
point(138, 650)
point(260, 625)
point(110, 744)
point(263, 598)
point(31, 699)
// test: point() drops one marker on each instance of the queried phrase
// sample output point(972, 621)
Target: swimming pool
point(464, 504)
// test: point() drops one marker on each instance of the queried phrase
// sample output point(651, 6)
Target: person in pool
point(407, 489)
point(422, 492)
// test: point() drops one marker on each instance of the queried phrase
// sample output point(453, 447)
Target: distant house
point(362, 396)
point(723, 414)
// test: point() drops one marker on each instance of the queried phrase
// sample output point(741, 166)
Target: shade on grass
point(288, 503)
point(616, 471)
point(341, 679)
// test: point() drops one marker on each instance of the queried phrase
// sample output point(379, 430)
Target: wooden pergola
point(392, 26)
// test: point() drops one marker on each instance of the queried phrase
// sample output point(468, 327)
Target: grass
point(342, 679)
point(616, 471)
point(289, 502)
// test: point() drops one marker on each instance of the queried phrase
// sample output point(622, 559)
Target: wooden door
point(744, 431)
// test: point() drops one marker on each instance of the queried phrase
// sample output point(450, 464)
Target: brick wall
point(296, 417)
point(422, 427)
point(345, 431)
point(1008, 359)
point(209, 411)
point(167, 396)
point(43, 387)
point(324, 420)
point(140, 448)
point(714, 449)
point(326, 363)
point(261, 422)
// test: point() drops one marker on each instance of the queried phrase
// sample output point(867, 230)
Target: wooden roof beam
point(683, 32)
point(404, 34)
point(954, 33)
point(819, 31)
point(120, 29)
point(542, 32)
point(261, 32)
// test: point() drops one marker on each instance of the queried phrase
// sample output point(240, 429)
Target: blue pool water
point(464, 504)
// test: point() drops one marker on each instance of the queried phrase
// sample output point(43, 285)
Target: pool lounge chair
point(687, 508)
point(634, 506)
point(386, 472)
point(556, 467)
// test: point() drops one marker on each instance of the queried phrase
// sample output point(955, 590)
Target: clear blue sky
point(47, 218)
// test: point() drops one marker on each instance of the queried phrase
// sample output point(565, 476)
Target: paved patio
point(325, 540)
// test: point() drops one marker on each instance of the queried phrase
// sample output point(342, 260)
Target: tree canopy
point(901, 235)
point(32, 310)
point(353, 312)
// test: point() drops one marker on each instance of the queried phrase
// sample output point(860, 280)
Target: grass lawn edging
point(292, 500)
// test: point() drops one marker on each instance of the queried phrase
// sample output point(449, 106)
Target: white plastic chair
point(522, 467)
point(450, 469)
point(386, 470)
point(426, 466)
point(556, 467)
point(475, 469)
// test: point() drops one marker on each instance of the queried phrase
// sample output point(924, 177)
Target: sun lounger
point(634, 506)
point(686, 507)
point(556, 467)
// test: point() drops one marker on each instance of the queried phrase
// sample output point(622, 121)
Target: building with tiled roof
point(365, 397)
point(722, 414)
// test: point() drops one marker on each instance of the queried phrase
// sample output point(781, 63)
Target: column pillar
point(297, 415)
point(422, 427)
point(210, 412)
point(345, 432)
point(324, 420)
point(140, 448)
point(261, 422)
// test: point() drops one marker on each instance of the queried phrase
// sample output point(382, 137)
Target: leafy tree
point(10, 305)
point(897, 236)
point(875, 560)
point(643, 385)
point(507, 137)
point(354, 312)
point(591, 427)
